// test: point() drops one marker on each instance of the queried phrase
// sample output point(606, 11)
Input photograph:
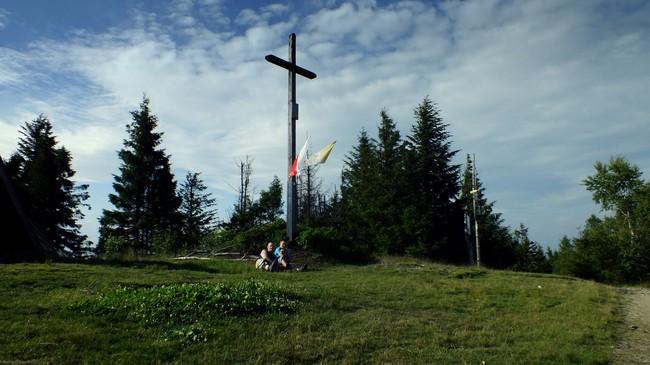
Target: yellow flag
point(321, 156)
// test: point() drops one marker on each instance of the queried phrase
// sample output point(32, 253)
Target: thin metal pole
point(292, 204)
point(475, 193)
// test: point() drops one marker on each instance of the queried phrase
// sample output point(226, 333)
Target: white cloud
point(538, 90)
point(250, 17)
point(4, 18)
point(12, 66)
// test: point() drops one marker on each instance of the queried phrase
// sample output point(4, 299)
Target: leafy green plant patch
point(190, 303)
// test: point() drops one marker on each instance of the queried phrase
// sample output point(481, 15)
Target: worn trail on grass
point(634, 345)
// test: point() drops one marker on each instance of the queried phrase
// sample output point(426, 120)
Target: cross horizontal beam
point(290, 66)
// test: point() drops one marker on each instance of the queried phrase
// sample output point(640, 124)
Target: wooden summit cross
point(292, 203)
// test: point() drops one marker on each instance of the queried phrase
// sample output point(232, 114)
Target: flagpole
point(475, 194)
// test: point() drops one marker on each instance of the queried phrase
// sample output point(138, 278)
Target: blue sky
point(538, 90)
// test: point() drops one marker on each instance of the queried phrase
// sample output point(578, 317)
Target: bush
point(219, 240)
point(166, 242)
point(190, 303)
point(253, 239)
point(318, 239)
point(328, 242)
point(115, 245)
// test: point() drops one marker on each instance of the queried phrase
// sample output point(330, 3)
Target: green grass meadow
point(398, 312)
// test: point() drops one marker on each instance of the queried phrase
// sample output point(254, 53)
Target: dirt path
point(634, 346)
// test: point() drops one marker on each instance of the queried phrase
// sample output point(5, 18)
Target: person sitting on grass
point(285, 262)
point(267, 261)
point(283, 255)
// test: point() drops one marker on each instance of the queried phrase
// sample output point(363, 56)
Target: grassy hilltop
point(400, 312)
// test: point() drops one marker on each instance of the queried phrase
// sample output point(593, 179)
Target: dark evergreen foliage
point(197, 210)
point(42, 175)
point(358, 193)
point(145, 200)
point(432, 184)
point(530, 255)
point(268, 207)
point(391, 185)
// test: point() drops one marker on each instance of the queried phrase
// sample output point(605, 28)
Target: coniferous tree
point(564, 259)
point(531, 256)
point(42, 174)
point(145, 200)
point(197, 209)
point(432, 184)
point(390, 185)
point(268, 206)
point(358, 194)
point(496, 244)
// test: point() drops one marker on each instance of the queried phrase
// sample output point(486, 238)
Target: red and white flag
point(295, 167)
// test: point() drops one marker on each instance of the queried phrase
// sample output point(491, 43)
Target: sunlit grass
point(401, 311)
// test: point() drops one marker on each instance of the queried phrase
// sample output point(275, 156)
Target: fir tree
point(43, 177)
point(564, 260)
point(145, 200)
point(531, 256)
point(359, 191)
point(390, 183)
point(432, 183)
point(268, 207)
point(197, 209)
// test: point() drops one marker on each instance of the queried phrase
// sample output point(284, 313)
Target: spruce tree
point(197, 210)
point(268, 206)
point(390, 183)
point(359, 191)
point(564, 262)
point(43, 175)
point(432, 183)
point(145, 200)
point(531, 256)
point(496, 244)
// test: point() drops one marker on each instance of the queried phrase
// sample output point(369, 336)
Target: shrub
point(166, 242)
point(115, 245)
point(330, 243)
point(253, 239)
point(190, 303)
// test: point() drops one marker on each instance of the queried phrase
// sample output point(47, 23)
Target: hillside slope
point(398, 312)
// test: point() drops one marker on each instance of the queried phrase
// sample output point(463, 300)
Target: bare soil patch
point(634, 345)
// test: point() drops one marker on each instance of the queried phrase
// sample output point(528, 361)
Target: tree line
point(398, 196)
point(616, 246)
point(405, 196)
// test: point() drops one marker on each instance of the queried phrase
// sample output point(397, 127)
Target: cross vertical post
point(292, 189)
point(292, 193)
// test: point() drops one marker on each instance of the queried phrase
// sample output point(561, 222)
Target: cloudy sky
point(538, 90)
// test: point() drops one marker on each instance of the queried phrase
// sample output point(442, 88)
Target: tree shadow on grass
point(157, 264)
